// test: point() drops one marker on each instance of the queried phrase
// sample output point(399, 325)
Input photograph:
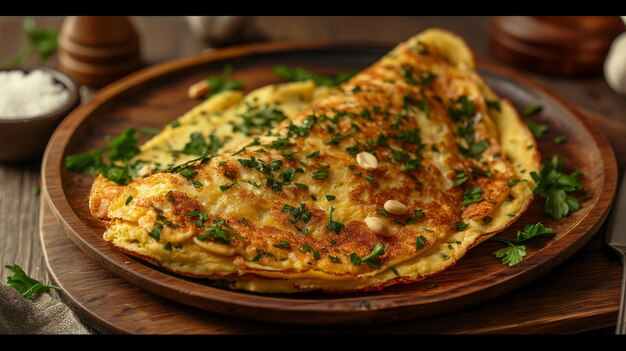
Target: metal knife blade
point(616, 238)
point(616, 230)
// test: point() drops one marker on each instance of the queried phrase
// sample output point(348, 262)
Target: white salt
point(32, 94)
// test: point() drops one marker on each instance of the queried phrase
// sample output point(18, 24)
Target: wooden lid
point(555, 45)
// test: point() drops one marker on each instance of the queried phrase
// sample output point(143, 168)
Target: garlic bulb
point(615, 64)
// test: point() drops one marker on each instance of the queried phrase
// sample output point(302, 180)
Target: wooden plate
point(158, 94)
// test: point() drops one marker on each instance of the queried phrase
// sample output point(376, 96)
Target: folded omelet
point(288, 188)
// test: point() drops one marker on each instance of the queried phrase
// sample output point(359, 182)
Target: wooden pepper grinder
point(97, 50)
point(555, 45)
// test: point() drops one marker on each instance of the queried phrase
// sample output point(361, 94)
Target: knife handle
point(621, 318)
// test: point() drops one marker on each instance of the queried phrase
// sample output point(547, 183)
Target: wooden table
point(169, 37)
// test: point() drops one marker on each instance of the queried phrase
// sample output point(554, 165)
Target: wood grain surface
point(155, 95)
point(581, 294)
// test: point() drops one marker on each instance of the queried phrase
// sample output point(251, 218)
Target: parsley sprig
point(218, 84)
point(41, 41)
point(554, 185)
point(25, 285)
point(120, 150)
point(514, 254)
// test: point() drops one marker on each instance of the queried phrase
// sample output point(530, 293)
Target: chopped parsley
point(255, 142)
point(313, 154)
point(289, 155)
point(554, 185)
point(298, 214)
point(283, 245)
point(460, 177)
point(198, 146)
point(493, 105)
point(370, 178)
point(300, 185)
point(472, 195)
point(196, 184)
point(149, 131)
point(218, 84)
point(219, 233)
point(333, 225)
point(281, 143)
point(372, 259)
point(511, 182)
point(514, 254)
point(334, 259)
point(417, 214)
point(257, 121)
point(420, 242)
point(532, 110)
point(227, 186)
point(304, 129)
point(382, 212)
point(560, 139)
point(120, 150)
point(187, 172)
point(461, 108)
point(155, 233)
point(330, 197)
point(128, 200)
point(321, 172)
point(537, 129)
point(301, 74)
point(250, 163)
point(460, 226)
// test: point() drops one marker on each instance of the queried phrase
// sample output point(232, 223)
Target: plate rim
point(221, 299)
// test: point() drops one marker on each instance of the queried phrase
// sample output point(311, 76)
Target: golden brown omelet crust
point(400, 110)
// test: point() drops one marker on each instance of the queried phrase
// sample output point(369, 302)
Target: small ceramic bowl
point(24, 139)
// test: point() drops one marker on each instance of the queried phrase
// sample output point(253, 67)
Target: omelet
point(388, 179)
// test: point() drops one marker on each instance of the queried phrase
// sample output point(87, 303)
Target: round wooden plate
point(158, 94)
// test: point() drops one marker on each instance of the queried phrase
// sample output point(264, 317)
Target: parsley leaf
point(560, 139)
point(460, 176)
point(25, 285)
point(532, 110)
point(283, 244)
point(537, 129)
point(554, 185)
point(301, 74)
point(514, 254)
point(460, 226)
point(41, 41)
point(218, 84)
point(373, 258)
point(198, 146)
point(472, 195)
point(420, 242)
point(219, 233)
point(333, 225)
point(257, 121)
point(121, 149)
point(227, 186)
point(461, 108)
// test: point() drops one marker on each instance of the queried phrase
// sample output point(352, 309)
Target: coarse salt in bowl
point(29, 94)
point(33, 101)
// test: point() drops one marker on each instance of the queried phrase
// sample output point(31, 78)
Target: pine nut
point(366, 160)
point(396, 207)
point(198, 90)
point(377, 225)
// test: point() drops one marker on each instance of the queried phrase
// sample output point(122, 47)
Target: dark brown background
point(166, 38)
